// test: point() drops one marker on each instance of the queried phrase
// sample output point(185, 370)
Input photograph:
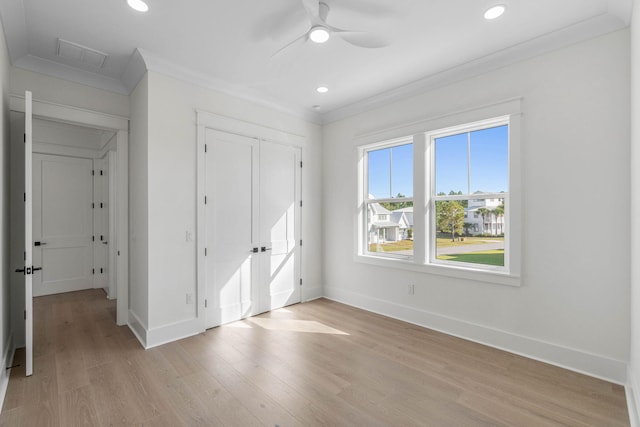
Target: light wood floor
point(314, 364)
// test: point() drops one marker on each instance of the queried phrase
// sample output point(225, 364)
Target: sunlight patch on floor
point(293, 325)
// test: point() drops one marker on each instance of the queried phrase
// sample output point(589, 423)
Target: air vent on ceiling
point(82, 54)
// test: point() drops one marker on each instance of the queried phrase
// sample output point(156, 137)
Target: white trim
point(7, 360)
point(173, 332)
point(422, 131)
point(632, 392)
point(565, 357)
point(119, 124)
point(138, 328)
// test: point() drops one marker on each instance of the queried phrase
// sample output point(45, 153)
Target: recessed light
point(494, 12)
point(322, 89)
point(319, 34)
point(138, 5)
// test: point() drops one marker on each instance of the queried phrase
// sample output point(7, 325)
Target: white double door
point(252, 226)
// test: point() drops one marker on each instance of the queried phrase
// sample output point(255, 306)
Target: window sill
point(494, 277)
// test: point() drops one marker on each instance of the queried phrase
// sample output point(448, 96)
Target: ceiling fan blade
point(302, 38)
point(362, 39)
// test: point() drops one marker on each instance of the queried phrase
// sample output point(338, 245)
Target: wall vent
point(82, 54)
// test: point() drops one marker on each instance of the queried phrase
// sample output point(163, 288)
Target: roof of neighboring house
point(378, 209)
point(384, 224)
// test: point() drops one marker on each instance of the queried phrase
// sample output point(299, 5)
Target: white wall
point(138, 208)
point(634, 365)
point(572, 307)
point(172, 194)
point(5, 327)
point(46, 88)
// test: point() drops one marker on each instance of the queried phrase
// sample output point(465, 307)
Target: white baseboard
point(633, 399)
point(173, 332)
point(7, 360)
point(575, 360)
point(138, 328)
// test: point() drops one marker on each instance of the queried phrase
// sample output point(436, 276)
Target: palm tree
point(499, 213)
point(484, 212)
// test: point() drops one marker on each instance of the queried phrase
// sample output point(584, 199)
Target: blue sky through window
point(488, 152)
point(391, 172)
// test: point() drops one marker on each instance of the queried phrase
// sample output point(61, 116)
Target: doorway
point(63, 160)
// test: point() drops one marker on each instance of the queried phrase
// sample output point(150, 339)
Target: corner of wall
point(633, 398)
point(7, 360)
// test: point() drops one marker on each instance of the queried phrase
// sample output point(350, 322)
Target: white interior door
point(28, 253)
point(252, 224)
point(231, 228)
point(279, 225)
point(63, 223)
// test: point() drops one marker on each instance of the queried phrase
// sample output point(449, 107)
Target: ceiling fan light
point(138, 5)
point(319, 34)
point(322, 89)
point(494, 12)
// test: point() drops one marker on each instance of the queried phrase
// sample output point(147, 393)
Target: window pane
point(490, 160)
point(402, 171)
point(391, 172)
point(473, 234)
point(390, 228)
point(451, 164)
point(379, 171)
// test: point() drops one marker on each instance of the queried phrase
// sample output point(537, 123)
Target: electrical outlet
point(189, 298)
point(412, 289)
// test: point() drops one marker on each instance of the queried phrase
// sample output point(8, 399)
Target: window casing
point(503, 224)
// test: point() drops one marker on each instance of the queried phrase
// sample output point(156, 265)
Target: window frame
point(364, 247)
point(419, 132)
point(431, 138)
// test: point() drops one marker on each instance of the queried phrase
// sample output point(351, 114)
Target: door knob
point(39, 243)
point(254, 250)
point(264, 249)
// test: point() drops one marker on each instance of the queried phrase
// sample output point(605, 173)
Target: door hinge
point(205, 251)
point(101, 237)
point(205, 200)
point(93, 271)
point(101, 205)
point(93, 205)
point(93, 172)
point(300, 242)
point(205, 303)
point(25, 315)
point(101, 270)
point(93, 238)
point(101, 172)
point(300, 163)
point(24, 196)
point(301, 281)
point(205, 148)
point(300, 203)
point(24, 137)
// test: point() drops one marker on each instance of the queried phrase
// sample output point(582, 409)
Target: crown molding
point(584, 30)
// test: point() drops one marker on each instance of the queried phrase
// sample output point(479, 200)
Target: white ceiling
point(229, 45)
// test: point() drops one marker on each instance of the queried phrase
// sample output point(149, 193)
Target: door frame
point(206, 120)
point(119, 125)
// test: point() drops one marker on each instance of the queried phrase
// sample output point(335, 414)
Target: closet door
point(279, 225)
point(230, 227)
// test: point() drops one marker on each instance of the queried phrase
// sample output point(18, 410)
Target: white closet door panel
point(231, 263)
point(279, 208)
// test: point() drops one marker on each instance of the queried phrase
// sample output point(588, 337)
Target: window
point(389, 199)
point(470, 170)
point(464, 213)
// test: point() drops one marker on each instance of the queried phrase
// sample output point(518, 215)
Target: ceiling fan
point(320, 31)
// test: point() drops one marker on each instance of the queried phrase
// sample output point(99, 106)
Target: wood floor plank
point(315, 364)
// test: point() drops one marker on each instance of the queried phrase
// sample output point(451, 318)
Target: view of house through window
point(469, 191)
point(389, 201)
point(467, 186)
